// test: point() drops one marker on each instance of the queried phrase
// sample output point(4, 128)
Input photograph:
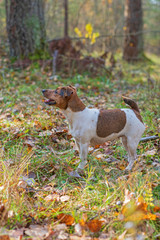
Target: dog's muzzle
point(47, 100)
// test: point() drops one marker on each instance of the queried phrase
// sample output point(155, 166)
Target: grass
point(34, 140)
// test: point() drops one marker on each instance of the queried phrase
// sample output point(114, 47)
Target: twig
point(145, 139)
point(109, 35)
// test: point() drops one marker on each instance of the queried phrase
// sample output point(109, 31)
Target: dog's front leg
point(83, 148)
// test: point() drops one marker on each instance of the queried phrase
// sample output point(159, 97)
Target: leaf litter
point(55, 198)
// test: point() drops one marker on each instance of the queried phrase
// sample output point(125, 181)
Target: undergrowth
point(38, 151)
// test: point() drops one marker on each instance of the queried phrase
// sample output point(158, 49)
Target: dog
point(93, 126)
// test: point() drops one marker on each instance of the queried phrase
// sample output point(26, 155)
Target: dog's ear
point(66, 92)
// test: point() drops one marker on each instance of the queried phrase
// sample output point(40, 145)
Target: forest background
point(91, 45)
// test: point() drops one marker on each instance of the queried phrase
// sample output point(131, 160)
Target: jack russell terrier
point(94, 126)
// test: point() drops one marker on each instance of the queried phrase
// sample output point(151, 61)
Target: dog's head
point(59, 97)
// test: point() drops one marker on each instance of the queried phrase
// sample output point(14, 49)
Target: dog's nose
point(44, 90)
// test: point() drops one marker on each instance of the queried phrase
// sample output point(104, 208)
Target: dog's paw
point(128, 168)
point(82, 165)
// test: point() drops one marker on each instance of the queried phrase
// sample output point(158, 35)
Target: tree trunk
point(133, 42)
point(65, 18)
point(25, 26)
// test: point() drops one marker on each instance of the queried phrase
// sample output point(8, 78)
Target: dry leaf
point(100, 156)
point(107, 170)
point(64, 198)
point(65, 218)
point(60, 227)
point(22, 184)
point(45, 133)
point(156, 209)
point(136, 211)
point(37, 231)
point(150, 216)
point(62, 236)
point(150, 152)
point(29, 143)
point(74, 237)
point(52, 197)
point(94, 225)
point(4, 237)
point(78, 229)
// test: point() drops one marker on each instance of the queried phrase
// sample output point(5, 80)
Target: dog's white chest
point(82, 124)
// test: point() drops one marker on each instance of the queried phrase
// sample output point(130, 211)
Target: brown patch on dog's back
point(110, 121)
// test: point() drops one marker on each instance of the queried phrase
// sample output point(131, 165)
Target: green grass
point(101, 191)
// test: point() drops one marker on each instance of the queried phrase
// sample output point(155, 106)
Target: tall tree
point(25, 26)
point(133, 41)
point(65, 18)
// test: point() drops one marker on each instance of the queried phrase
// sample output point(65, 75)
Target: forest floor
point(38, 198)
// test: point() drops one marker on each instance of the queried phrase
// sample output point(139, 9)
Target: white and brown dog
point(93, 126)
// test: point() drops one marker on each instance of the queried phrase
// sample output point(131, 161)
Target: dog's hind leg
point(124, 141)
point(131, 148)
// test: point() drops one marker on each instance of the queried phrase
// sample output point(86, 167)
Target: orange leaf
point(142, 206)
point(82, 223)
point(4, 237)
point(97, 146)
point(94, 225)
point(150, 216)
point(156, 209)
point(66, 218)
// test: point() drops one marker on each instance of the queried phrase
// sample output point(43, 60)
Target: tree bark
point(133, 41)
point(25, 26)
point(65, 18)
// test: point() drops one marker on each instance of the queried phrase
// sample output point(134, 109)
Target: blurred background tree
point(25, 21)
point(25, 26)
point(133, 40)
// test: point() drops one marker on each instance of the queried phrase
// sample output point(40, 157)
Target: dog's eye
point(55, 91)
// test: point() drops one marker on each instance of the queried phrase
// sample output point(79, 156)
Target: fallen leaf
point(45, 133)
point(150, 152)
point(52, 197)
point(65, 218)
point(107, 170)
point(64, 198)
point(100, 156)
point(22, 184)
point(60, 227)
point(63, 235)
point(94, 225)
point(10, 213)
point(37, 231)
point(4, 237)
point(150, 216)
point(74, 237)
point(156, 209)
point(29, 143)
point(78, 229)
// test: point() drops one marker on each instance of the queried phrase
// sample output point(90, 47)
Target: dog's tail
point(131, 103)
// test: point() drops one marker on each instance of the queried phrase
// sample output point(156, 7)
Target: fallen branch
point(145, 139)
